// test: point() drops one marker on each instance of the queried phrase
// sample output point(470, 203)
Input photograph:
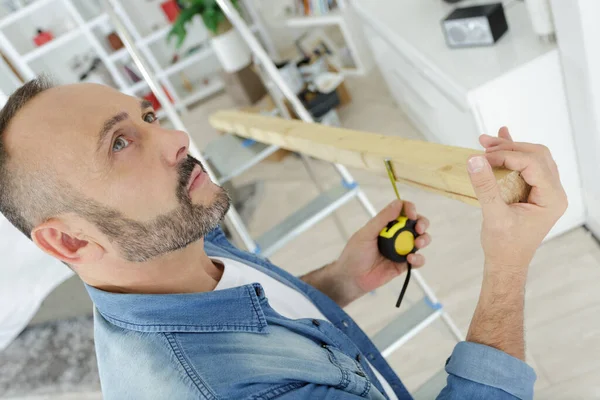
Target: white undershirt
point(287, 301)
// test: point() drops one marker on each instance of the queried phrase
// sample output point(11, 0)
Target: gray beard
point(142, 241)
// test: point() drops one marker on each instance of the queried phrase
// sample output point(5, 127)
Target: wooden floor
point(563, 300)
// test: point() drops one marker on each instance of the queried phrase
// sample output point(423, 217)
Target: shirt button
point(316, 322)
point(324, 345)
point(358, 357)
point(345, 323)
point(371, 356)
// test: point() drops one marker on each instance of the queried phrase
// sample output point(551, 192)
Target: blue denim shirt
point(231, 344)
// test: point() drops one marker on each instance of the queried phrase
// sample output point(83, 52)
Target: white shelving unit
point(345, 21)
point(81, 27)
point(307, 21)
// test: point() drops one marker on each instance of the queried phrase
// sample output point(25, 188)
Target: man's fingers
point(492, 144)
point(530, 166)
point(422, 224)
point(378, 222)
point(504, 134)
point(522, 147)
point(490, 141)
point(416, 260)
point(410, 210)
point(484, 183)
point(422, 241)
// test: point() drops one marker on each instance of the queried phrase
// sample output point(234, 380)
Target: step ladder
point(221, 167)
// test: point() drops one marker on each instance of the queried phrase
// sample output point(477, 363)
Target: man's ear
point(56, 239)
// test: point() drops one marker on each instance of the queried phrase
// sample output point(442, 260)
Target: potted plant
point(228, 45)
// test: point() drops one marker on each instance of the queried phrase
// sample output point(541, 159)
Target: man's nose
point(174, 146)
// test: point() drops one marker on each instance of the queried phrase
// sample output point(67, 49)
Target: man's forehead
point(59, 127)
point(64, 112)
point(75, 100)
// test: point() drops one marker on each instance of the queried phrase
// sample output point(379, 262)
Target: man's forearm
point(328, 281)
point(498, 318)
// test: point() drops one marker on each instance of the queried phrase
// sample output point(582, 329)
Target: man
point(90, 176)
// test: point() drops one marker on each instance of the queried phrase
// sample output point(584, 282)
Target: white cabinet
point(454, 95)
point(578, 37)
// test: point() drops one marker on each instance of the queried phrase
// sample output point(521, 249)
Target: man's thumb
point(484, 181)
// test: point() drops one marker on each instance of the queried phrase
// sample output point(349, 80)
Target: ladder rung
point(407, 325)
point(230, 157)
point(432, 388)
point(320, 207)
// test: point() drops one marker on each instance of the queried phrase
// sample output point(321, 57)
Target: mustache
point(184, 170)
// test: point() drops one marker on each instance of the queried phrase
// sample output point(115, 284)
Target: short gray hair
point(13, 204)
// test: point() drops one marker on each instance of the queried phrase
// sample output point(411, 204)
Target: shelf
point(154, 36)
point(213, 87)
point(137, 86)
point(53, 44)
point(119, 54)
point(24, 12)
point(178, 66)
point(333, 17)
point(186, 62)
point(99, 20)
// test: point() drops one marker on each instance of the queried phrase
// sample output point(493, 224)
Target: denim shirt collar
point(231, 310)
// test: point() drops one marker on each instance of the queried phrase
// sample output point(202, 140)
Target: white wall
point(273, 13)
point(579, 41)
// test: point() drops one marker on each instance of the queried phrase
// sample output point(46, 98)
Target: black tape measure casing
point(397, 240)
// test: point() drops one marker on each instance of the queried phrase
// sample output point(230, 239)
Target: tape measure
point(397, 240)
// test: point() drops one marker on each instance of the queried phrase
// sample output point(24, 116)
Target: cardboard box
point(244, 86)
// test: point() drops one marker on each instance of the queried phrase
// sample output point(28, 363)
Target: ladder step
point(432, 388)
point(301, 220)
point(230, 155)
point(407, 325)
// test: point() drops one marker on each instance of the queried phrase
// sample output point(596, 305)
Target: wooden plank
point(430, 166)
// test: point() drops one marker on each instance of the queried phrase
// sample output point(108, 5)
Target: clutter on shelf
point(171, 10)
point(42, 37)
point(114, 41)
point(314, 7)
point(89, 69)
point(316, 81)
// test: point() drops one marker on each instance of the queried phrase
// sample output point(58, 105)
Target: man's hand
point(361, 268)
point(510, 236)
point(512, 233)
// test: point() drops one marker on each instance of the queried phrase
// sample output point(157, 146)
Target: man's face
point(124, 173)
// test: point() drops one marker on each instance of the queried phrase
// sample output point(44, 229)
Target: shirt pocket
point(353, 377)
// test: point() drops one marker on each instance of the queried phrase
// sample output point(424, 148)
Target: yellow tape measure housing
point(397, 239)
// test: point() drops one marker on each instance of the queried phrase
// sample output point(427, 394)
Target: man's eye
point(119, 144)
point(149, 117)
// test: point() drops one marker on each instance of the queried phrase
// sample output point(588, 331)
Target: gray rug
point(50, 358)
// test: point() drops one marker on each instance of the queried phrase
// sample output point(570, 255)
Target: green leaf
point(209, 10)
point(210, 18)
point(179, 28)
